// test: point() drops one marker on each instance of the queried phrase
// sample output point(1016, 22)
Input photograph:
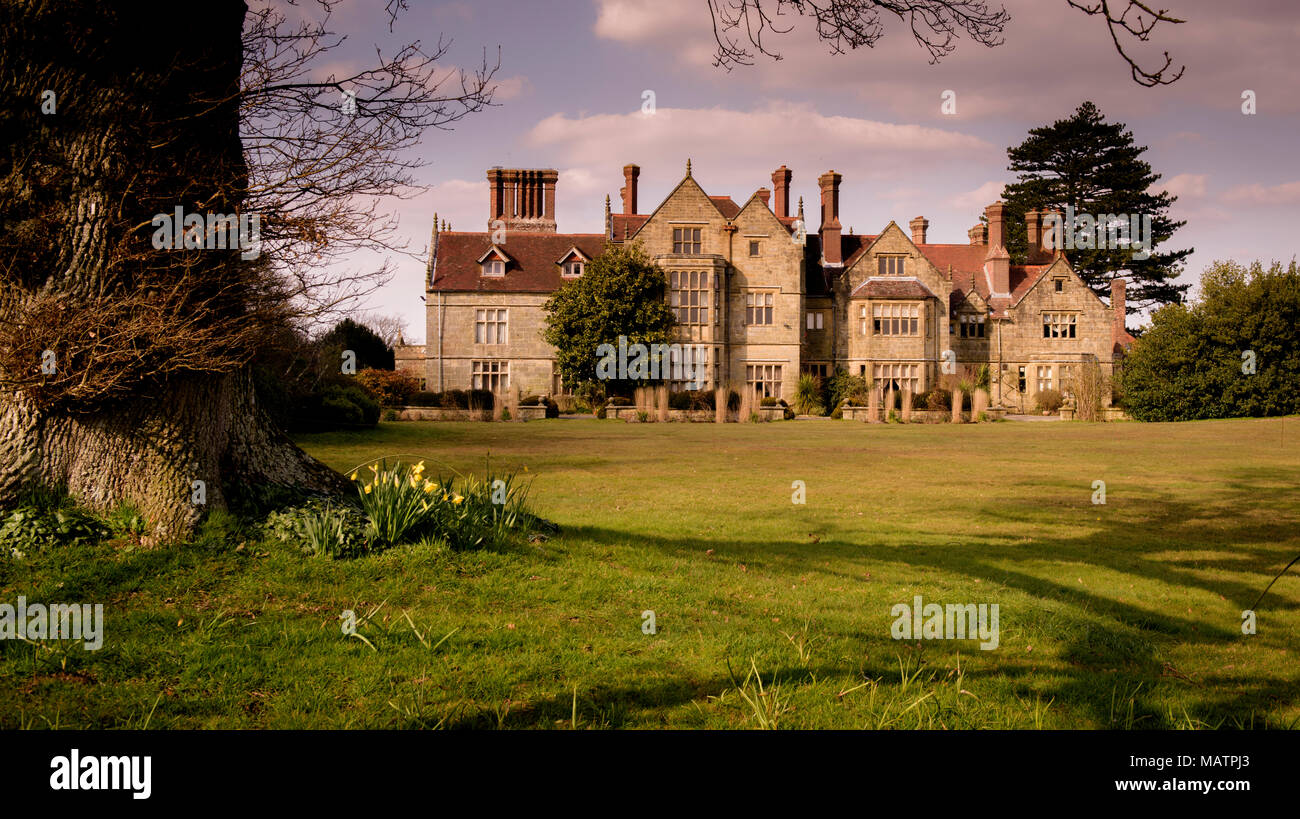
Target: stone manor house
point(759, 298)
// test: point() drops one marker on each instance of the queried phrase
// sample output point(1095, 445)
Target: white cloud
point(978, 199)
point(1186, 186)
point(770, 133)
point(1285, 194)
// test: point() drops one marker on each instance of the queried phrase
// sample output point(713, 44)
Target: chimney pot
point(781, 185)
point(765, 195)
point(630, 174)
point(919, 226)
point(829, 183)
point(1034, 231)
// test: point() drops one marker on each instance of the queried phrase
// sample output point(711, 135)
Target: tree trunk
point(174, 455)
point(117, 113)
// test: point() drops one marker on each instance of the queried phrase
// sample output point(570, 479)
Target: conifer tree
point(1094, 167)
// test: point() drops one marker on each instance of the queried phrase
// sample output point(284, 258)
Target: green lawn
point(1123, 615)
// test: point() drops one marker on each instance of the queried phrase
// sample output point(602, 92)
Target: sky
point(574, 76)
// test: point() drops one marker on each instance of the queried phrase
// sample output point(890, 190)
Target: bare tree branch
point(1138, 28)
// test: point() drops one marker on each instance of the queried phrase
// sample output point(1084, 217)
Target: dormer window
point(573, 263)
point(493, 262)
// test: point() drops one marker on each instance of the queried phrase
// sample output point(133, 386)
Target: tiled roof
point(532, 269)
point(725, 206)
point(625, 225)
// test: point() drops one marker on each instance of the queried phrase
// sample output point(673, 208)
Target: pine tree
point(1095, 167)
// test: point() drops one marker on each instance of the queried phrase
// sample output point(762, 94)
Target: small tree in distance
point(621, 293)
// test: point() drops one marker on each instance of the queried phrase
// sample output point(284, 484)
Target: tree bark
point(174, 455)
point(148, 400)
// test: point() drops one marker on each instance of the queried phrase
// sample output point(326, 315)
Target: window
point(689, 296)
point(686, 241)
point(972, 326)
point(758, 306)
point(1020, 384)
point(574, 268)
point(1044, 378)
point(1059, 283)
point(753, 247)
point(490, 326)
point(764, 379)
point(688, 366)
point(815, 320)
point(898, 376)
point(495, 267)
point(490, 375)
point(821, 370)
point(1059, 325)
point(890, 265)
point(893, 319)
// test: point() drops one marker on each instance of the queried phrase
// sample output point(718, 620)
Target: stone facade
point(761, 299)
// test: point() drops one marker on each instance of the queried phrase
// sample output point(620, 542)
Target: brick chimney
point(1118, 307)
point(1055, 252)
point(919, 225)
point(1034, 230)
point(997, 264)
point(979, 235)
point(765, 195)
point(523, 198)
point(829, 183)
point(628, 192)
point(781, 184)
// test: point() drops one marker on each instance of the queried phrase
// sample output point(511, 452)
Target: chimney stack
point(979, 235)
point(765, 195)
point(829, 183)
point(1034, 231)
point(1055, 252)
point(997, 264)
point(1118, 306)
point(523, 198)
point(919, 226)
point(781, 184)
point(630, 174)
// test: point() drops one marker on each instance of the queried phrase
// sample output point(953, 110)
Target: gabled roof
point(725, 206)
point(534, 269)
point(573, 250)
point(625, 225)
point(495, 250)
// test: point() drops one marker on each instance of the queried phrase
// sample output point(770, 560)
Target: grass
point(767, 613)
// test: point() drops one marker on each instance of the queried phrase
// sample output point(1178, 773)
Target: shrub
point(680, 400)
point(938, 400)
point(620, 401)
point(853, 388)
point(321, 529)
point(769, 401)
point(1049, 400)
point(391, 388)
point(600, 411)
point(808, 395)
point(453, 399)
point(532, 401)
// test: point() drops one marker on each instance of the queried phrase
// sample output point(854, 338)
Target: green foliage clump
point(808, 395)
point(44, 518)
point(321, 529)
point(621, 293)
point(1192, 362)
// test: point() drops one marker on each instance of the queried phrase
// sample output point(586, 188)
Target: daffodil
point(458, 499)
point(367, 489)
point(429, 487)
point(354, 476)
point(374, 468)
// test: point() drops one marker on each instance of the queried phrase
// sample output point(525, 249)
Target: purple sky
point(573, 74)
